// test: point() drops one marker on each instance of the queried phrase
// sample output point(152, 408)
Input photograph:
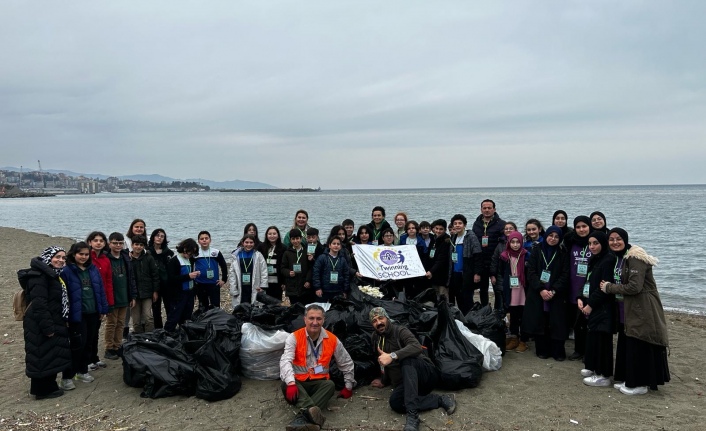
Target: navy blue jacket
point(73, 288)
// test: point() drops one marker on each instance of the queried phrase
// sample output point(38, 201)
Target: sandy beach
point(528, 393)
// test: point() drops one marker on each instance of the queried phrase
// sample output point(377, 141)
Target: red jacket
point(102, 262)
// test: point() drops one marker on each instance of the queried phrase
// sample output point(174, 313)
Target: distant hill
point(156, 178)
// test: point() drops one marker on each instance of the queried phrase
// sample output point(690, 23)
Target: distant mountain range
point(156, 178)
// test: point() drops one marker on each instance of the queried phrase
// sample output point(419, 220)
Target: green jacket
point(644, 315)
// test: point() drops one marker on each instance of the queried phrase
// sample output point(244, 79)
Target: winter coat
point(146, 275)
point(257, 281)
point(494, 231)
point(73, 286)
point(102, 262)
point(602, 317)
point(322, 275)
point(295, 285)
point(503, 280)
point(439, 264)
point(533, 316)
point(472, 257)
point(496, 256)
point(45, 356)
point(371, 228)
point(644, 315)
point(162, 259)
point(131, 286)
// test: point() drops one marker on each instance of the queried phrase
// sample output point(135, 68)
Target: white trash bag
point(492, 355)
point(260, 352)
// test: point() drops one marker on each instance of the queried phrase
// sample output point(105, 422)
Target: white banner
point(388, 263)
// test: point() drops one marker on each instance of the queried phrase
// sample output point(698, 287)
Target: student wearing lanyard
point(511, 276)
point(438, 271)
point(576, 243)
point(297, 271)
point(273, 249)
point(208, 262)
point(545, 309)
point(597, 306)
point(377, 225)
point(304, 370)
point(331, 272)
point(465, 263)
point(181, 275)
point(248, 273)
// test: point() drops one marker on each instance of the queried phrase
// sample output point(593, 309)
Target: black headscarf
point(564, 229)
point(603, 240)
point(547, 249)
point(598, 213)
point(624, 235)
point(581, 241)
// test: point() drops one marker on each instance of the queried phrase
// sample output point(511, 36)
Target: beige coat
point(644, 315)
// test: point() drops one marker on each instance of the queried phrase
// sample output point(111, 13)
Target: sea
point(667, 221)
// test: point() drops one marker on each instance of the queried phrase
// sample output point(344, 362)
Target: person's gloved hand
point(292, 394)
point(346, 393)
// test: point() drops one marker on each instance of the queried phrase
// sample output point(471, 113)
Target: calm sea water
point(665, 220)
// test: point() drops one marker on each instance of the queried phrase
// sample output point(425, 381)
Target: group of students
point(587, 281)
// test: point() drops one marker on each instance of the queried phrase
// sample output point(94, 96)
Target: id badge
point(319, 369)
point(514, 282)
point(270, 269)
point(246, 278)
point(297, 268)
point(454, 257)
point(311, 249)
point(484, 241)
point(209, 273)
point(432, 252)
point(375, 242)
point(269, 261)
point(586, 289)
point(582, 269)
point(544, 278)
point(191, 285)
point(619, 297)
point(334, 277)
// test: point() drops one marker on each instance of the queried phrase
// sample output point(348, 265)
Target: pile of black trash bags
point(202, 357)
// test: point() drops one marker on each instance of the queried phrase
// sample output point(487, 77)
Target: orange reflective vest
point(327, 346)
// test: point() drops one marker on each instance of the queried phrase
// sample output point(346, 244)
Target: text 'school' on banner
point(388, 263)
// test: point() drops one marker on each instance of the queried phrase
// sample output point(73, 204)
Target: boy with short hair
point(314, 248)
point(297, 270)
point(124, 291)
point(147, 281)
point(465, 264)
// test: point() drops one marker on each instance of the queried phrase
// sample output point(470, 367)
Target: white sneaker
point(67, 384)
point(587, 373)
point(619, 385)
point(639, 390)
point(597, 380)
point(92, 367)
point(101, 364)
point(86, 378)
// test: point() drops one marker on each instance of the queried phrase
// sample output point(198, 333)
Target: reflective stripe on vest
point(328, 347)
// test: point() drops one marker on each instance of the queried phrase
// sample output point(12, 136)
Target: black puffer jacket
point(533, 318)
point(44, 355)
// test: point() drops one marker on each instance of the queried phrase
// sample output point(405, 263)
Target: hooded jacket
point(146, 275)
point(494, 230)
point(644, 315)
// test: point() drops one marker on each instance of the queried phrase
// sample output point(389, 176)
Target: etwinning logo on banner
point(388, 263)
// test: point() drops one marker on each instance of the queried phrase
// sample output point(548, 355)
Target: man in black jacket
point(405, 365)
point(488, 228)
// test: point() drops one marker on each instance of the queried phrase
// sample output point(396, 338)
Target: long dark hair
point(155, 232)
point(129, 233)
point(91, 236)
point(71, 255)
point(265, 246)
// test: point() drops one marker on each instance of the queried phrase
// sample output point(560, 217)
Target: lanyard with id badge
point(310, 248)
point(616, 275)
point(209, 272)
point(582, 266)
point(334, 274)
point(271, 263)
point(297, 267)
point(587, 286)
point(514, 279)
point(484, 240)
point(318, 369)
point(245, 276)
point(546, 274)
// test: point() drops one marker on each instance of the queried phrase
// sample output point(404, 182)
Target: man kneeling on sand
point(304, 370)
point(406, 366)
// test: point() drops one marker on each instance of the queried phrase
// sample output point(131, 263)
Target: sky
point(358, 94)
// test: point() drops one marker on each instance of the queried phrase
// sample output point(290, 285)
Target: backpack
point(19, 300)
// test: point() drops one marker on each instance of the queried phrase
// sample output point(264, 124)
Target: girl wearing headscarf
point(545, 308)
point(576, 244)
point(598, 222)
point(561, 220)
point(597, 306)
point(46, 336)
point(511, 276)
point(646, 339)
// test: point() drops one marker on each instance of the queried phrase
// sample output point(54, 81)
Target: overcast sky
point(359, 94)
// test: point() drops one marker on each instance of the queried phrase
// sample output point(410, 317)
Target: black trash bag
point(216, 378)
point(364, 373)
point(171, 339)
point(267, 299)
point(266, 317)
point(427, 295)
point(360, 347)
point(167, 371)
point(217, 317)
point(488, 323)
point(242, 312)
point(426, 321)
point(340, 322)
point(460, 363)
point(228, 340)
point(293, 318)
